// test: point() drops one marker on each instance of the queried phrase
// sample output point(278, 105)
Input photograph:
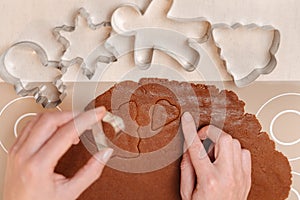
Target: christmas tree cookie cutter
point(34, 78)
point(238, 47)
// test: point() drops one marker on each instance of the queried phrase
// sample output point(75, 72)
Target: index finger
point(223, 143)
point(64, 137)
point(198, 155)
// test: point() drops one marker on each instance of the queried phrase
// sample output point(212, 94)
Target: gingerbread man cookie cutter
point(79, 40)
point(172, 43)
point(246, 61)
point(129, 20)
point(48, 91)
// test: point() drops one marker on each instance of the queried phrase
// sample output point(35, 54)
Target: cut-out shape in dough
point(149, 27)
point(26, 66)
point(82, 39)
point(249, 50)
point(163, 114)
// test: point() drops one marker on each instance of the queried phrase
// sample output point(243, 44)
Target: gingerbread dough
point(154, 107)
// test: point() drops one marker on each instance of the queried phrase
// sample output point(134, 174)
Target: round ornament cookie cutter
point(48, 93)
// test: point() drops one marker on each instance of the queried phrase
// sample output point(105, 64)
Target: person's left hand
point(32, 159)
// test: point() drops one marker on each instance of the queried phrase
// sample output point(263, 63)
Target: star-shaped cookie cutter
point(48, 93)
point(83, 59)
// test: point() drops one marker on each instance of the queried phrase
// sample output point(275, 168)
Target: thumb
point(89, 173)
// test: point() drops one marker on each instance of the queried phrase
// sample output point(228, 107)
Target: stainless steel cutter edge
point(257, 71)
point(134, 34)
point(66, 44)
point(19, 86)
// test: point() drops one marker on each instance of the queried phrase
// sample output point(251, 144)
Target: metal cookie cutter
point(245, 59)
point(26, 66)
point(171, 43)
point(149, 28)
point(80, 40)
point(115, 121)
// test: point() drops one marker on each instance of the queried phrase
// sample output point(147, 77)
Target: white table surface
point(34, 20)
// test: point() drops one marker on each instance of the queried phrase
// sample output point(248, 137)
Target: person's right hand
point(30, 172)
point(227, 178)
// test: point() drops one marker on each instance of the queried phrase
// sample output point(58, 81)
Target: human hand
point(32, 159)
point(227, 178)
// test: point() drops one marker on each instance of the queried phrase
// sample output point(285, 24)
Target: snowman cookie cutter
point(39, 77)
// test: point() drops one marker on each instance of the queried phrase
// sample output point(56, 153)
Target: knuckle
point(184, 164)
point(225, 139)
point(211, 183)
point(196, 147)
point(45, 117)
point(236, 143)
point(13, 151)
point(49, 117)
point(30, 169)
point(246, 157)
point(33, 164)
point(246, 152)
point(18, 159)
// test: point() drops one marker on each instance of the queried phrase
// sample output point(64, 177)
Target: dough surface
point(151, 110)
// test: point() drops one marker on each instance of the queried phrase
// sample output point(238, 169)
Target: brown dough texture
point(151, 110)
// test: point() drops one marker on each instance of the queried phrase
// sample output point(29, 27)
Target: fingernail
point(187, 117)
point(100, 110)
point(104, 155)
point(76, 140)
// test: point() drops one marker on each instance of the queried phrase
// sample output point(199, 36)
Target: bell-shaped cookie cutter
point(253, 72)
point(49, 94)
